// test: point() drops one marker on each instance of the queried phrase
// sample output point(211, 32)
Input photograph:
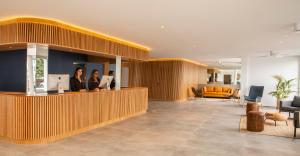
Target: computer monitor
point(58, 80)
point(105, 81)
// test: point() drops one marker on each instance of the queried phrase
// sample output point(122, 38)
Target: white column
point(37, 56)
point(30, 72)
point(244, 76)
point(235, 77)
point(118, 73)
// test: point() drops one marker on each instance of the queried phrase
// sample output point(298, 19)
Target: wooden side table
point(251, 106)
point(255, 121)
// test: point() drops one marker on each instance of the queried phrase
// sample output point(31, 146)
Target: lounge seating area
point(257, 118)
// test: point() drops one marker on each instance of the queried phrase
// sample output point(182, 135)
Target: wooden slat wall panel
point(167, 80)
point(193, 75)
point(37, 119)
point(9, 33)
point(27, 30)
point(4, 100)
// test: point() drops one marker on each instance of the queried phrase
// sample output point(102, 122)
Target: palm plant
point(283, 88)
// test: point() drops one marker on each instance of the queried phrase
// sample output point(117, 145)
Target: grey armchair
point(286, 106)
point(296, 122)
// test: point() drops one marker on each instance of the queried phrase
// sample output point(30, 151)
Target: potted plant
point(283, 89)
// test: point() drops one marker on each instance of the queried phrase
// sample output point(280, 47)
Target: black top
point(93, 84)
point(76, 85)
point(113, 83)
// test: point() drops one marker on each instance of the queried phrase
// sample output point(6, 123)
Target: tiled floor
point(169, 129)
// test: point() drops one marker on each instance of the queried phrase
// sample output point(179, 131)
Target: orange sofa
point(217, 91)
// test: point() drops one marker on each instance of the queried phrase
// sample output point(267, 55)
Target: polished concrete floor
point(168, 129)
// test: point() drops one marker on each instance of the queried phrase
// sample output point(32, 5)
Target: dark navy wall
point(60, 62)
point(13, 67)
point(91, 66)
point(13, 71)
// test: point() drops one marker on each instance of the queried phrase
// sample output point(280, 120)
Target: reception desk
point(41, 119)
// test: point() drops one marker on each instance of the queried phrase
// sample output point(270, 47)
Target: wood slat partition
point(167, 80)
point(58, 34)
point(40, 119)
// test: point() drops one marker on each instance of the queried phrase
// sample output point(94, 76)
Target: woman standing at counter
point(94, 81)
point(76, 83)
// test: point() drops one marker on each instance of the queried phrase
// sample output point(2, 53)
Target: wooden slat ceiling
point(19, 31)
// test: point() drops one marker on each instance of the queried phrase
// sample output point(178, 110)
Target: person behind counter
point(94, 81)
point(76, 83)
point(113, 82)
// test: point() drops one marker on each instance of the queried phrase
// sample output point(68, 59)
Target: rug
point(281, 130)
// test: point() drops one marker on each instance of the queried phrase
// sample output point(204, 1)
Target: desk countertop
point(66, 93)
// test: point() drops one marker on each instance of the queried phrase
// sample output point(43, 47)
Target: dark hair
point(76, 70)
point(111, 72)
point(92, 73)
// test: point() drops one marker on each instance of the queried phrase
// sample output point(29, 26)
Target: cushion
point(296, 101)
point(225, 89)
point(211, 93)
point(276, 116)
point(210, 89)
point(218, 89)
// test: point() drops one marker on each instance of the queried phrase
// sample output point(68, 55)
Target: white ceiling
point(200, 30)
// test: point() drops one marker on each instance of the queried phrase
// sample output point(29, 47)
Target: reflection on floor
point(189, 128)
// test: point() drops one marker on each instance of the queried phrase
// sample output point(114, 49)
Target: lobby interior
point(194, 77)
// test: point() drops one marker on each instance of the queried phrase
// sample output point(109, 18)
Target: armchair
point(196, 92)
point(287, 106)
point(255, 94)
point(296, 122)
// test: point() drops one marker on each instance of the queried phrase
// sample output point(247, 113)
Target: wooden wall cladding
point(53, 33)
point(167, 80)
point(193, 75)
point(40, 119)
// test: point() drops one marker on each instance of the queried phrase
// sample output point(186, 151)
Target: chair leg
point(295, 132)
point(289, 114)
point(286, 123)
point(275, 123)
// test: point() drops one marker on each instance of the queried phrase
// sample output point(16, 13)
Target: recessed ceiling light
point(162, 27)
point(281, 42)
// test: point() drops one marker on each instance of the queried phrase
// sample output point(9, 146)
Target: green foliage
point(39, 68)
point(283, 87)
